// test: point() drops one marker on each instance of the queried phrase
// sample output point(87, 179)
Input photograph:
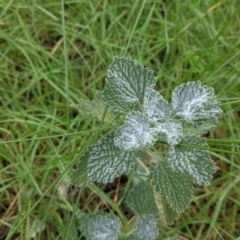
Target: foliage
point(149, 119)
point(100, 226)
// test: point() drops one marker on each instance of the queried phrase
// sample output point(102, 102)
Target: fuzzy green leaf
point(175, 186)
point(197, 162)
point(141, 199)
point(193, 101)
point(135, 133)
point(79, 176)
point(166, 213)
point(126, 85)
point(146, 228)
point(171, 131)
point(95, 108)
point(100, 226)
point(155, 107)
point(198, 128)
point(107, 162)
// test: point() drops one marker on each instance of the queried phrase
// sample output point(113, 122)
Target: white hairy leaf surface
point(79, 176)
point(155, 107)
point(100, 226)
point(126, 84)
point(140, 199)
point(175, 186)
point(146, 228)
point(194, 101)
point(197, 162)
point(171, 131)
point(135, 133)
point(107, 162)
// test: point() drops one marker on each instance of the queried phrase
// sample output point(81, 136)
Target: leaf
point(193, 101)
point(79, 176)
point(175, 186)
point(155, 107)
point(126, 85)
point(198, 128)
point(171, 131)
point(95, 108)
point(166, 213)
point(107, 162)
point(135, 133)
point(197, 162)
point(100, 226)
point(146, 228)
point(141, 199)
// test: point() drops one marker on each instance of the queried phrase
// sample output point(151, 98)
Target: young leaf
point(146, 228)
point(166, 213)
point(107, 162)
point(126, 85)
point(155, 107)
point(95, 108)
point(141, 199)
point(198, 128)
point(135, 133)
point(193, 101)
point(175, 186)
point(171, 131)
point(100, 226)
point(197, 162)
point(79, 176)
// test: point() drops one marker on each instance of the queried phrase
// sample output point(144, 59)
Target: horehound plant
point(162, 186)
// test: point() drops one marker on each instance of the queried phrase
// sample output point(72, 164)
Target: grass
point(53, 53)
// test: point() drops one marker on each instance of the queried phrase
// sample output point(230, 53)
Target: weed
point(162, 186)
